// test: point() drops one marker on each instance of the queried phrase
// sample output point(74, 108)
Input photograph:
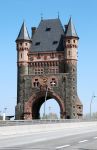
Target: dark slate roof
point(48, 36)
point(71, 32)
point(23, 34)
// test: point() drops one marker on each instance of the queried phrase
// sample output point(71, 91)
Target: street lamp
point(4, 114)
point(93, 96)
point(46, 99)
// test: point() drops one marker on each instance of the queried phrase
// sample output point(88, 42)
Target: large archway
point(32, 107)
point(50, 109)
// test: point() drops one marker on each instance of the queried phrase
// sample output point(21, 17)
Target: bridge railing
point(41, 121)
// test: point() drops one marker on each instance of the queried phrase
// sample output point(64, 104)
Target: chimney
point(33, 30)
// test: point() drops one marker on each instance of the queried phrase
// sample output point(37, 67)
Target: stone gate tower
point(47, 63)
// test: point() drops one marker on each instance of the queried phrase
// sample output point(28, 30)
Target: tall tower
point(73, 104)
point(47, 69)
point(23, 42)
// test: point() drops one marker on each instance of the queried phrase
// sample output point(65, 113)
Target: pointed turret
point(71, 50)
point(23, 43)
point(23, 34)
point(70, 31)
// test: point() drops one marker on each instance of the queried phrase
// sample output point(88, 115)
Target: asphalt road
point(79, 138)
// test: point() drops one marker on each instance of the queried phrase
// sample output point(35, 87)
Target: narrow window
point(21, 55)
point(74, 41)
point(69, 53)
point(37, 83)
point(34, 84)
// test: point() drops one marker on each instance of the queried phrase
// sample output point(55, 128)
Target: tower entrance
point(33, 105)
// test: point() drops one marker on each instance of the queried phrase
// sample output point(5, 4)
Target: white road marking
point(95, 138)
point(83, 141)
point(59, 147)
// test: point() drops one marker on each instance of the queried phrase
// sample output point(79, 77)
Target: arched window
point(36, 83)
point(53, 82)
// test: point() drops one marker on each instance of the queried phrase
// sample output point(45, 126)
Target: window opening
point(48, 29)
point(37, 43)
point(53, 82)
point(39, 71)
point(74, 41)
point(55, 42)
point(36, 83)
point(21, 55)
point(36, 79)
point(69, 53)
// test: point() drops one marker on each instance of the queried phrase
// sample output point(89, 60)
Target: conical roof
point(71, 32)
point(23, 34)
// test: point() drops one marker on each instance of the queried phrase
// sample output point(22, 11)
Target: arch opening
point(50, 109)
point(54, 107)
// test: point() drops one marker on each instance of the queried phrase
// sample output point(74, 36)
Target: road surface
point(69, 138)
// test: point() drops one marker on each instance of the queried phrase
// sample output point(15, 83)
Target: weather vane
point(58, 15)
point(41, 16)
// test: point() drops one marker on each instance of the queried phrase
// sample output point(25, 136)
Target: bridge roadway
point(61, 136)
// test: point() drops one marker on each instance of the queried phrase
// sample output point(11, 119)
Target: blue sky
point(84, 15)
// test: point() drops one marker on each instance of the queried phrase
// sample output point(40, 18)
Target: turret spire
point(23, 34)
point(71, 32)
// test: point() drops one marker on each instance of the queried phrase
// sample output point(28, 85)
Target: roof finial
point(70, 16)
point(41, 16)
point(58, 15)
